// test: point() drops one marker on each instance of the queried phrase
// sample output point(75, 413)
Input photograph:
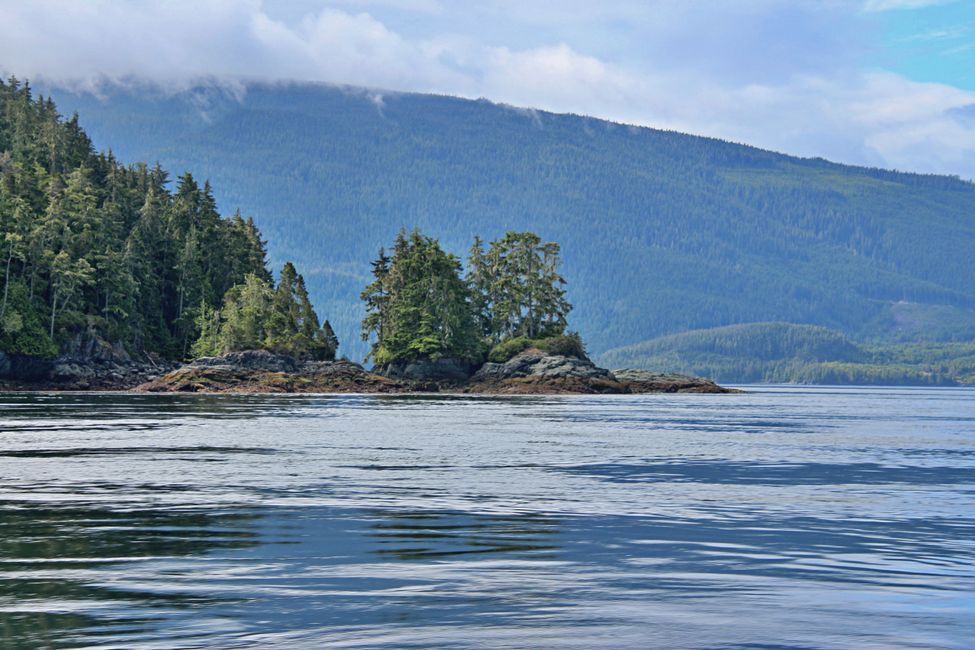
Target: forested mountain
point(661, 232)
point(805, 354)
point(92, 249)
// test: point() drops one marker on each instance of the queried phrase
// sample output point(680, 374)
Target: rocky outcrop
point(260, 371)
point(645, 381)
point(539, 364)
point(88, 347)
point(534, 371)
point(256, 360)
point(430, 370)
point(88, 363)
point(530, 372)
point(101, 375)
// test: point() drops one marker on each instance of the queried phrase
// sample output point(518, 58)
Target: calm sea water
point(784, 518)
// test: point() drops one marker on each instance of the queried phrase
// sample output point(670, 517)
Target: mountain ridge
point(661, 231)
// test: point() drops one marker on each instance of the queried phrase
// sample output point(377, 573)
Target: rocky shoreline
point(531, 372)
point(106, 372)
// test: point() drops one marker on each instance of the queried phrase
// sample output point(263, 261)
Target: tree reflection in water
point(55, 560)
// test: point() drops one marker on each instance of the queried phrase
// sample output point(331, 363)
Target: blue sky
point(935, 43)
point(878, 82)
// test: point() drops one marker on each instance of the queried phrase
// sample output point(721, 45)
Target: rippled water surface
point(784, 518)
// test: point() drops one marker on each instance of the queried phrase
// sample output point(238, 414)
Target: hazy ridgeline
point(805, 354)
point(661, 232)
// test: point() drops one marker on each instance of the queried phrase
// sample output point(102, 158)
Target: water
point(785, 518)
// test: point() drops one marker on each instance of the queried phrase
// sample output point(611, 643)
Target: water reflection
point(439, 535)
point(790, 519)
point(727, 472)
point(57, 567)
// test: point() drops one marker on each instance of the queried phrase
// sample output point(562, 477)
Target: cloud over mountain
point(781, 75)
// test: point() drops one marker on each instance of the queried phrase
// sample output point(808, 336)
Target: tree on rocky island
point(518, 291)
point(257, 315)
point(418, 306)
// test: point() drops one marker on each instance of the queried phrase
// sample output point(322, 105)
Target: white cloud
point(730, 79)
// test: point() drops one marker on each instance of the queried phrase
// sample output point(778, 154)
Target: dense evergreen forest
point(661, 232)
point(91, 248)
point(805, 354)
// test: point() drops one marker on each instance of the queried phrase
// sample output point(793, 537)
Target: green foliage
point(568, 345)
point(786, 353)
point(509, 348)
point(22, 329)
point(89, 244)
point(418, 305)
point(256, 315)
point(663, 232)
point(516, 287)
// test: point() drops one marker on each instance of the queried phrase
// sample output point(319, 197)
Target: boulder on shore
point(535, 371)
point(431, 370)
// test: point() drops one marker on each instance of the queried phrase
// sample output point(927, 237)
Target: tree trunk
point(6, 285)
point(54, 310)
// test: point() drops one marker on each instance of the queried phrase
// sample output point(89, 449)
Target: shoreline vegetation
point(112, 281)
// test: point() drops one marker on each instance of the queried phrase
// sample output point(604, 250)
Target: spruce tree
point(519, 280)
point(427, 312)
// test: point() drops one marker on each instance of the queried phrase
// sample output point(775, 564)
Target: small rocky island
point(530, 372)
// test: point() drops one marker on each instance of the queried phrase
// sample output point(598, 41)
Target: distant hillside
point(805, 354)
point(661, 232)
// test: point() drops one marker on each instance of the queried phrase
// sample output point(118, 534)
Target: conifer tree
point(517, 287)
point(426, 312)
point(376, 298)
point(479, 280)
point(257, 315)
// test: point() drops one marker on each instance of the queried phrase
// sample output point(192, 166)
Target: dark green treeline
point(89, 246)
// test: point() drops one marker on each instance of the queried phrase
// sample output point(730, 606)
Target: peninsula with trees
point(499, 328)
point(111, 280)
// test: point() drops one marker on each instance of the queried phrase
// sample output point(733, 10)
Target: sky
point(887, 83)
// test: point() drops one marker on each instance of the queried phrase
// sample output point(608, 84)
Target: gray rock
point(538, 364)
point(72, 373)
point(332, 368)
point(250, 360)
point(490, 370)
point(637, 374)
point(429, 370)
point(89, 347)
point(646, 381)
